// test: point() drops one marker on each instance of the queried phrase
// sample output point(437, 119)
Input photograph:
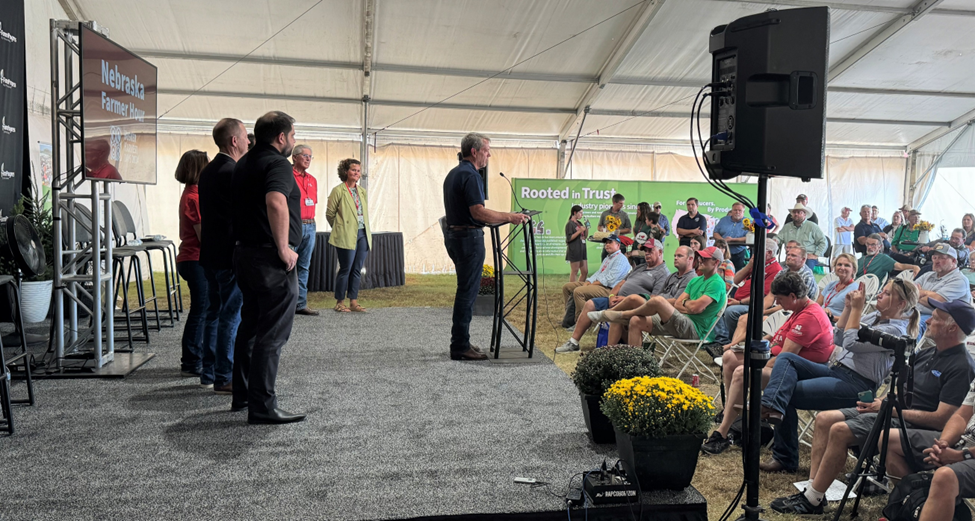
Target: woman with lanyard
point(968, 226)
point(832, 296)
point(348, 215)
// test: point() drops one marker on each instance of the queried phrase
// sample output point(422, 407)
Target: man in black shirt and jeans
point(463, 200)
point(267, 228)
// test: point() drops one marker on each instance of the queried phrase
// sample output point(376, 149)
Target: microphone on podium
point(513, 193)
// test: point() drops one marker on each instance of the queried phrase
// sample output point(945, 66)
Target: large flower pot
point(484, 306)
point(35, 300)
point(600, 428)
point(660, 463)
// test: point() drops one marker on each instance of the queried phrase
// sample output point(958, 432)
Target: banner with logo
point(555, 198)
point(13, 104)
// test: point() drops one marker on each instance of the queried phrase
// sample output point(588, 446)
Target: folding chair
point(823, 282)
point(8, 365)
point(871, 285)
point(686, 350)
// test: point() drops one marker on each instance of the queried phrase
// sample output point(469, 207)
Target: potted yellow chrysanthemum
point(660, 425)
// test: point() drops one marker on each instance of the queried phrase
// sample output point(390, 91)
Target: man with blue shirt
point(662, 222)
point(463, 200)
point(731, 228)
point(613, 270)
point(844, 233)
point(692, 224)
point(877, 219)
point(865, 228)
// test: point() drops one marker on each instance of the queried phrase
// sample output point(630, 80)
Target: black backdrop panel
point(385, 265)
point(13, 102)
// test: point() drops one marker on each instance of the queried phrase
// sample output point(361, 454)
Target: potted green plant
point(36, 291)
point(484, 303)
point(597, 370)
point(660, 425)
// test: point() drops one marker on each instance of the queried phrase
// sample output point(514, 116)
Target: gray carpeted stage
point(394, 430)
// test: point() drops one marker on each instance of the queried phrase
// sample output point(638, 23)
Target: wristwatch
point(967, 454)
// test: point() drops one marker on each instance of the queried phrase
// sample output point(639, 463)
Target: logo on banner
point(116, 143)
point(4, 173)
point(7, 82)
point(4, 35)
point(7, 129)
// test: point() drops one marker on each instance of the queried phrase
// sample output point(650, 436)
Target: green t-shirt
point(713, 287)
point(879, 265)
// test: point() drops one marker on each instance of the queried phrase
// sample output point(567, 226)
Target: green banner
point(555, 198)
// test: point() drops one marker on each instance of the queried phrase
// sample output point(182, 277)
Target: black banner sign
point(13, 102)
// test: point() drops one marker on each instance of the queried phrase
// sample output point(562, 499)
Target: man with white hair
point(876, 218)
point(301, 158)
point(943, 283)
point(806, 233)
point(864, 229)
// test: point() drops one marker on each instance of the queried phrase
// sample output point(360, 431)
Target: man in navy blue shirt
point(864, 229)
point(692, 224)
point(463, 200)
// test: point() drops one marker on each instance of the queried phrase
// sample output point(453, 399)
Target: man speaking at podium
point(463, 201)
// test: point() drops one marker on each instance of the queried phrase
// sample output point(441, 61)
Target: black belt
point(245, 245)
point(455, 227)
point(308, 221)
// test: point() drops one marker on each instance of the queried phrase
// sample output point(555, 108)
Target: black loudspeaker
point(768, 104)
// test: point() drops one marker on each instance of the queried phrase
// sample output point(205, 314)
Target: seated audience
point(945, 282)
point(738, 304)
point(648, 278)
point(727, 268)
point(612, 270)
point(806, 233)
point(907, 239)
point(956, 241)
point(807, 333)
point(896, 221)
point(794, 263)
point(968, 226)
point(797, 383)
point(877, 263)
point(692, 314)
point(938, 385)
point(866, 228)
point(698, 242)
point(832, 297)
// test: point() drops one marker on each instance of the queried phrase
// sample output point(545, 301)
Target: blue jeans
point(350, 267)
point(304, 250)
point(728, 322)
point(812, 263)
point(797, 383)
point(225, 300)
point(200, 323)
point(739, 259)
point(466, 249)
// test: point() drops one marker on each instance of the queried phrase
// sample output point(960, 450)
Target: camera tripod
point(866, 468)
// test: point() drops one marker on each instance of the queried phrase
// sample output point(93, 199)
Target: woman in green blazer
point(348, 215)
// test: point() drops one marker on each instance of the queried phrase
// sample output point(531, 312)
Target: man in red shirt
point(738, 305)
point(301, 157)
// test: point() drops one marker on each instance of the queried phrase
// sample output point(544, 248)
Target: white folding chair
point(686, 350)
point(823, 282)
point(774, 321)
point(906, 275)
point(871, 285)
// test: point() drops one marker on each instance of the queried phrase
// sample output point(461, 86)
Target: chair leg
point(140, 291)
point(19, 329)
point(152, 286)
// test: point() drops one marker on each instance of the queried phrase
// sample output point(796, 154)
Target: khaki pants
point(580, 294)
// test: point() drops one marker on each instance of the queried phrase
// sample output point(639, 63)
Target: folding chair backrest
point(871, 285)
point(906, 275)
point(774, 322)
point(823, 282)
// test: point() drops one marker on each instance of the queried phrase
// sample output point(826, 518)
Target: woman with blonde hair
point(896, 221)
point(833, 296)
point(198, 321)
point(859, 366)
point(348, 215)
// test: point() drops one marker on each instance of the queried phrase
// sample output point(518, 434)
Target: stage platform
point(395, 430)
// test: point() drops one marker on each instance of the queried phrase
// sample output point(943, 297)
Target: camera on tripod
point(898, 344)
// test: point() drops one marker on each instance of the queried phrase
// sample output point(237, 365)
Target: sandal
point(340, 308)
point(358, 309)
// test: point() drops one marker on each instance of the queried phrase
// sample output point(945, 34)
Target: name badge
point(309, 201)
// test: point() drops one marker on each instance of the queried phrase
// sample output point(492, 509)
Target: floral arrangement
point(924, 226)
point(657, 407)
point(748, 225)
point(612, 223)
point(487, 281)
point(597, 370)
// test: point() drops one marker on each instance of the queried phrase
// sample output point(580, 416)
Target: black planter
point(484, 306)
point(600, 428)
point(666, 463)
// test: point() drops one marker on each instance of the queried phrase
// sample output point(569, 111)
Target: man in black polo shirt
point(217, 253)
point(941, 378)
point(267, 228)
point(463, 200)
point(692, 224)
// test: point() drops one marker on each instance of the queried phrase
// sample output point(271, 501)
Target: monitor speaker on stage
point(768, 104)
point(118, 112)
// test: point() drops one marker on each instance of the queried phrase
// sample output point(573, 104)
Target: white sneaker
point(607, 316)
point(567, 347)
point(596, 316)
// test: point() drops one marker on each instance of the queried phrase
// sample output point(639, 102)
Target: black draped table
point(385, 265)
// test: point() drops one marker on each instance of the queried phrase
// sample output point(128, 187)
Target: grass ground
point(717, 477)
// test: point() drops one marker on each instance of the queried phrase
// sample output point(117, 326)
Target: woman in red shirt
point(188, 264)
point(807, 333)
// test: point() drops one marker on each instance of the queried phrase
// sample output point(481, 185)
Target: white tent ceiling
point(900, 69)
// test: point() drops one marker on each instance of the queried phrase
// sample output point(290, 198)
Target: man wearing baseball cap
point(939, 384)
point(612, 270)
point(662, 222)
point(693, 313)
point(844, 232)
point(944, 282)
